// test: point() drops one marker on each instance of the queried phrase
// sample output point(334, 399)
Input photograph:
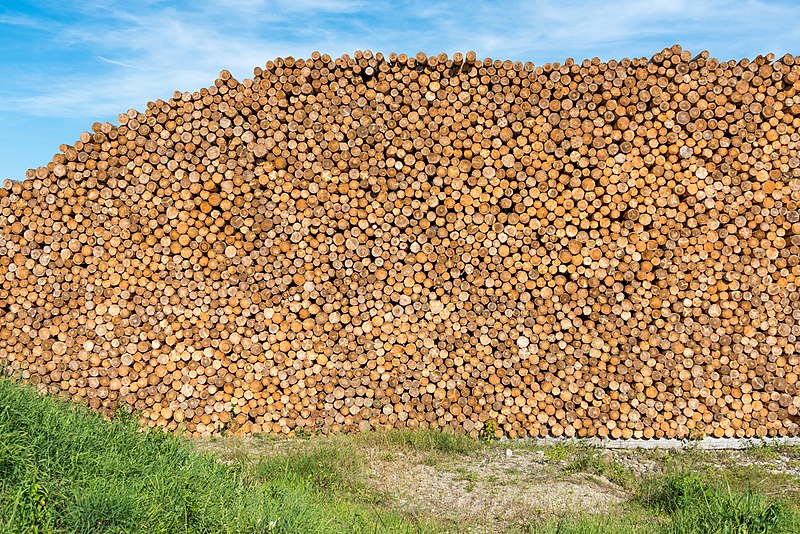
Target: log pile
point(577, 249)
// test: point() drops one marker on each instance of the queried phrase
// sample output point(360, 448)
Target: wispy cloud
point(17, 20)
point(118, 63)
point(102, 57)
point(171, 48)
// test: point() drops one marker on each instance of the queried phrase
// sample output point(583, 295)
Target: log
point(336, 244)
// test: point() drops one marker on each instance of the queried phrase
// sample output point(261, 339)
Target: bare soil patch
point(487, 489)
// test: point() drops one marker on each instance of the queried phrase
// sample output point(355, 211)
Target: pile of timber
point(581, 249)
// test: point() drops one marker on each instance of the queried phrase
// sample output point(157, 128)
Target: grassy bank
point(64, 469)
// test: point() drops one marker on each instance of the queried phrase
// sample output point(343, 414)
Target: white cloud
point(148, 52)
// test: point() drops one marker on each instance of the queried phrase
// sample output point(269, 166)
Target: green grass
point(683, 504)
point(587, 459)
point(432, 446)
point(446, 443)
point(595, 524)
point(739, 470)
point(64, 469)
point(694, 505)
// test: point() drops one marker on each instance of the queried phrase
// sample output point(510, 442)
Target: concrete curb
point(706, 444)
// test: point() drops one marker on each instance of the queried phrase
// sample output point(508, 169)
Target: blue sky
point(65, 65)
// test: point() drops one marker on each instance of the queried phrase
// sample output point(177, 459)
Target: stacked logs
point(578, 249)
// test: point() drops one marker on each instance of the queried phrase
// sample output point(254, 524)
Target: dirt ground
point(507, 484)
point(489, 488)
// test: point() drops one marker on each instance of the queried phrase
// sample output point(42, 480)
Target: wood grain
point(579, 249)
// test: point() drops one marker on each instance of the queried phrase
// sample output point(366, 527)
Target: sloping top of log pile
point(579, 249)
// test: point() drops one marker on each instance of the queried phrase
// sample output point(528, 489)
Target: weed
point(588, 459)
point(470, 477)
point(488, 433)
point(465, 474)
point(692, 441)
point(302, 432)
point(430, 460)
point(559, 452)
